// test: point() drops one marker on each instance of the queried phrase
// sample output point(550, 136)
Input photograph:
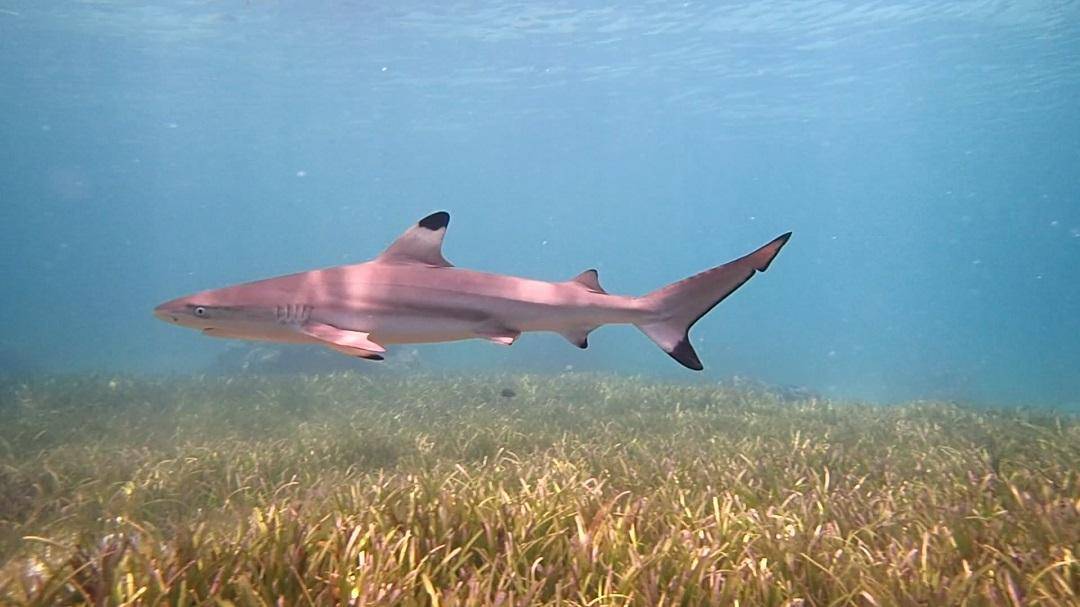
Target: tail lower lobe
point(679, 305)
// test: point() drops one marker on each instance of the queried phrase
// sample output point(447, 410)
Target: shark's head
point(219, 313)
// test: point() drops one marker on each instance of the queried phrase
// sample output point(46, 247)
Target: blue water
point(926, 157)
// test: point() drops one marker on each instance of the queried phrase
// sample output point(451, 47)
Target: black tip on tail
point(685, 355)
point(436, 221)
point(679, 305)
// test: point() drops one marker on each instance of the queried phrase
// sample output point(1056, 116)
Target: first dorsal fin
point(590, 280)
point(421, 244)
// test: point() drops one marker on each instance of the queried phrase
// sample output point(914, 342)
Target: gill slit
point(290, 314)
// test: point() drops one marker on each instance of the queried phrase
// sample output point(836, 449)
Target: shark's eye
point(200, 311)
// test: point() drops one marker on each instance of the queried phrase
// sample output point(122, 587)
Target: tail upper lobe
point(679, 305)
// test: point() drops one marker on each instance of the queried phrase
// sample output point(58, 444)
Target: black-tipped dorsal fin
point(590, 280)
point(420, 244)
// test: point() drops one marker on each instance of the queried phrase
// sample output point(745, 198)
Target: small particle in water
point(568, 368)
point(171, 125)
point(384, 68)
point(507, 393)
point(1075, 232)
point(46, 127)
point(1055, 223)
point(301, 173)
point(976, 262)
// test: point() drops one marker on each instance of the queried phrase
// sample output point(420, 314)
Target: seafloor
point(345, 489)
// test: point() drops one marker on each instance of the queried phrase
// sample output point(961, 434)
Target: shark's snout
point(165, 315)
point(169, 311)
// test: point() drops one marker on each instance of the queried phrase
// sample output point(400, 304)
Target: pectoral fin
point(339, 339)
point(503, 337)
point(357, 352)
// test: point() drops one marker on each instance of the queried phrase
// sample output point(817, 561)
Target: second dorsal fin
point(421, 244)
point(590, 280)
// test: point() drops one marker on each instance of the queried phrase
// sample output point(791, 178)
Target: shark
point(411, 294)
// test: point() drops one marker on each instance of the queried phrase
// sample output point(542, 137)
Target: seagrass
point(347, 489)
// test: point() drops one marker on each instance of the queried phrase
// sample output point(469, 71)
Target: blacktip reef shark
point(411, 294)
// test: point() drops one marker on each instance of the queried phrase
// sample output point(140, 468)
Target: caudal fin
point(679, 305)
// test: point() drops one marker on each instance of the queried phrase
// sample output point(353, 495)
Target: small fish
point(507, 393)
point(411, 294)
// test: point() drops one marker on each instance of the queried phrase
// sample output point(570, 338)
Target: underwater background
point(924, 154)
point(888, 416)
